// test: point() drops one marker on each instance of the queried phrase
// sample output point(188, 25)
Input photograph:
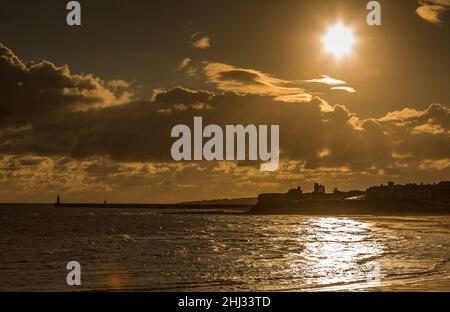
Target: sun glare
point(339, 40)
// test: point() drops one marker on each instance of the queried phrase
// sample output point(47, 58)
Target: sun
point(339, 40)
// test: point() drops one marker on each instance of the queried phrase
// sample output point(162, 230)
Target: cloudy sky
point(87, 111)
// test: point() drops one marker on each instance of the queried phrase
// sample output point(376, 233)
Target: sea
point(182, 250)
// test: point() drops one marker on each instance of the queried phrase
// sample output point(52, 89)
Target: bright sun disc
point(339, 40)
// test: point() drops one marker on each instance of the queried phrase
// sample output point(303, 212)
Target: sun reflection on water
point(338, 251)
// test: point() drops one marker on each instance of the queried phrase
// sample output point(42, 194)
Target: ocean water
point(148, 250)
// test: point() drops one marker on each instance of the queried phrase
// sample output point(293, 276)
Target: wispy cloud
point(439, 164)
point(251, 81)
point(348, 89)
point(327, 80)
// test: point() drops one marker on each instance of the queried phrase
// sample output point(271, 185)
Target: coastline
point(308, 207)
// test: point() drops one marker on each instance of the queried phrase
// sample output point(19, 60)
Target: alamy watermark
point(236, 138)
point(374, 16)
point(73, 278)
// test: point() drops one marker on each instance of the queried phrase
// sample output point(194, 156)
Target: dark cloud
point(315, 133)
point(180, 96)
point(32, 91)
point(241, 76)
point(420, 134)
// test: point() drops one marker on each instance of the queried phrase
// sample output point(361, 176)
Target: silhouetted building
point(410, 198)
point(295, 192)
point(435, 192)
point(319, 188)
point(296, 195)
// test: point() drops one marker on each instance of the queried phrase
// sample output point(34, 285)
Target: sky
point(87, 111)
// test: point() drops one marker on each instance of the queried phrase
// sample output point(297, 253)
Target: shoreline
point(306, 208)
